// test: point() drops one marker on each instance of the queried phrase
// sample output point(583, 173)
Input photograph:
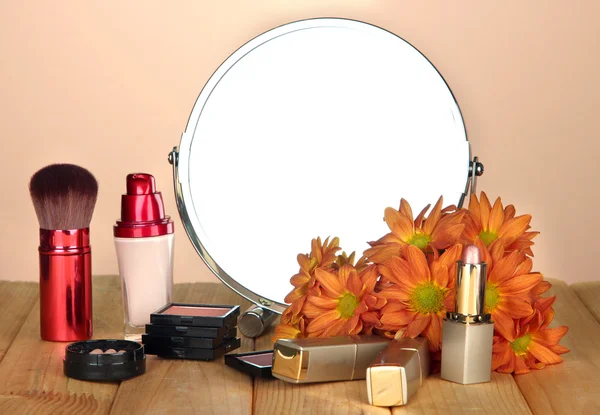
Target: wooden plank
point(589, 295)
point(572, 386)
point(31, 373)
point(437, 396)
point(21, 297)
point(186, 386)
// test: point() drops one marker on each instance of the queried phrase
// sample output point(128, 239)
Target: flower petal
point(509, 212)
point(355, 285)
point(397, 318)
point(474, 208)
point(504, 325)
point(330, 282)
point(514, 227)
point(484, 210)
point(417, 326)
point(421, 216)
point(400, 225)
point(434, 332)
point(395, 293)
point(405, 209)
point(323, 302)
point(371, 318)
point(440, 275)
point(520, 366)
point(543, 354)
point(550, 337)
point(322, 321)
point(379, 254)
point(520, 284)
point(496, 216)
point(515, 307)
point(505, 267)
point(433, 218)
point(417, 262)
point(285, 331)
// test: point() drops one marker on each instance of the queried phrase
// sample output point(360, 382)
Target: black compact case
point(187, 331)
point(79, 364)
point(186, 341)
point(192, 331)
point(193, 353)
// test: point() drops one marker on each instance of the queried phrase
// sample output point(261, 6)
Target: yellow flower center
point(487, 237)
point(428, 298)
point(492, 297)
point(347, 305)
point(521, 344)
point(420, 240)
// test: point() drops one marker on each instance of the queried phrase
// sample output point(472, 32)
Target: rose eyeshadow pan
point(257, 363)
point(263, 359)
point(196, 315)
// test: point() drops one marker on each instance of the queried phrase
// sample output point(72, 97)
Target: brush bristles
point(64, 196)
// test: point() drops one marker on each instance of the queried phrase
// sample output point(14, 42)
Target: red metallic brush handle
point(65, 285)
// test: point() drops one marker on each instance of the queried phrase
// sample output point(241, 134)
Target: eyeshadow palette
point(192, 352)
point(196, 315)
point(257, 363)
point(181, 341)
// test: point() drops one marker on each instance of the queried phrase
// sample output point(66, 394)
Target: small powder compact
point(176, 314)
point(257, 363)
point(104, 360)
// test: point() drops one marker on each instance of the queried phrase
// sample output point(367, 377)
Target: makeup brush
point(64, 197)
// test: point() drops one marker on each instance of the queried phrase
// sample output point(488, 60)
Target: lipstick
point(398, 371)
point(467, 333)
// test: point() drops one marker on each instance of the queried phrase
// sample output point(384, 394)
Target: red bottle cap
point(142, 209)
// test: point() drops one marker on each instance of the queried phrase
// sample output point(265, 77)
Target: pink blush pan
point(196, 315)
point(178, 310)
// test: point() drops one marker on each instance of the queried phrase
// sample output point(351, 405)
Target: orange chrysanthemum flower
point(346, 304)
point(440, 230)
point(488, 224)
point(418, 293)
point(534, 346)
point(321, 255)
point(508, 287)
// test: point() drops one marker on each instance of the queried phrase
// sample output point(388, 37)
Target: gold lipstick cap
point(398, 371)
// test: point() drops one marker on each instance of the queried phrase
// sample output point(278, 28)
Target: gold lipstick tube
point(398, 371)
point(325, 359)
point(468, 333)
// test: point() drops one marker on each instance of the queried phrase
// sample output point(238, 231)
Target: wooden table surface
point(32, 379)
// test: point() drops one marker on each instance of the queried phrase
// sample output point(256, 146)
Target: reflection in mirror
point(313, 129)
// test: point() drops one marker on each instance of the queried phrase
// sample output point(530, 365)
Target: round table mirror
point(313, 129)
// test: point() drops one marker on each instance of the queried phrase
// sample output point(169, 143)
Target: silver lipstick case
point(468, 333)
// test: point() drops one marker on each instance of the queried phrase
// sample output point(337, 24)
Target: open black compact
point(104, 360)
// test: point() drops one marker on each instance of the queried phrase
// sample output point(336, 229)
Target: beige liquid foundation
point(144, 241)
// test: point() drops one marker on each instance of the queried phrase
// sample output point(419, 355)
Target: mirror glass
point(313, 129)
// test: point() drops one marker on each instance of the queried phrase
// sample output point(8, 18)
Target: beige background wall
point(110, 85)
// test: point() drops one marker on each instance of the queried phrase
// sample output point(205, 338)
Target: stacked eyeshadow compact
point(192, 331)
